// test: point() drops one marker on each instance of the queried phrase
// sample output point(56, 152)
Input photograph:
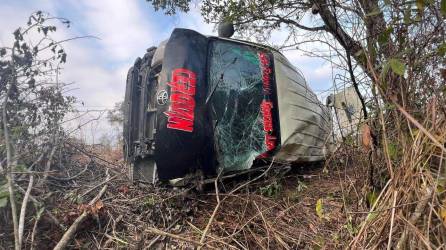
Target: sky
point(97, 67)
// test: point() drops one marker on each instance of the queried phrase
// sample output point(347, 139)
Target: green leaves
point(373, 13)
point(18, 35)
point(371, 196)
point(443, 7)
point(351, 228)
point(271, 190)
point(393, 150)
point(4, 195)
point(3, 202)
point(171, 7)
point(420, 5)
point(371, 216)
point(320, 208)
point(407, 15)
point(384, 37)
point(442, 47)
point(397, 66)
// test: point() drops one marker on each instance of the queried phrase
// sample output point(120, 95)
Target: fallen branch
point(69, 178)
point(98, 185)
point(69, 234)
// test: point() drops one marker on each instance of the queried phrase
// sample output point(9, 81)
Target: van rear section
point(199, 104)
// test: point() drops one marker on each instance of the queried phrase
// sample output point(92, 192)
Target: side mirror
point(225, 29)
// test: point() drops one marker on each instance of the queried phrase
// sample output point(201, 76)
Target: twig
point(265, 223)
point(214, 239)
point(23, 209)
point(72, 177)
point(10, 182)
point(386, 209)
point(48, 165)
point(231, 175)
point(32, 172)
point(437, 179)
point(419, 126)
point(173, 236)
point(211, 219)
point(420, 235)
point(355, 84)
point(159, 236)
point(36, 222)
point(25, 204)
point(414, 217)
point(98, 185)
point(69, 234)
point(37, 161)
point(389, 243)
point(93, 155)
point(253, 180)
point(352, 244)
point(117, 239)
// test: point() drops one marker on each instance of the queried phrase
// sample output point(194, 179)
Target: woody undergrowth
point(409, 211)
point(407, 154)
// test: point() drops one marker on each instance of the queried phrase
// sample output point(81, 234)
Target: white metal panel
point(305, 124)
point(349, 110)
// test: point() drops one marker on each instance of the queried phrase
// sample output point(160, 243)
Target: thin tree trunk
point(10, 161)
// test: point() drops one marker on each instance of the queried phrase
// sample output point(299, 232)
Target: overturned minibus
point(205, 104)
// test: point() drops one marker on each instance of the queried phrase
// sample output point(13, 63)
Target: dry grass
point(410, 213)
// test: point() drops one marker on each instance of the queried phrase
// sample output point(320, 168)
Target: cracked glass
point(234, 96)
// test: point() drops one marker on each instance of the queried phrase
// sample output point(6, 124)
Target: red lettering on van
point(266, 106)
point(182, 100)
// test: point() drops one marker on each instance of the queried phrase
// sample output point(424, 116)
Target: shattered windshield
point(235, 96)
